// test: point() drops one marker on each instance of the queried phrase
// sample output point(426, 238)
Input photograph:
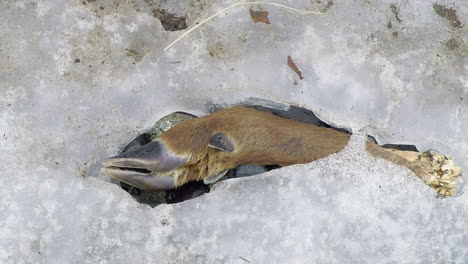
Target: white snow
point(77, 82)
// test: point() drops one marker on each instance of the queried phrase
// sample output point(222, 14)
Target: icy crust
point(347, 208)
point(75, 221)
point(79, 79)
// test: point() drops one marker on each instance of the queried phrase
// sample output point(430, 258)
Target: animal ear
point(222, 142)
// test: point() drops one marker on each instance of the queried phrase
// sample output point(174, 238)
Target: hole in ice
point(195, 189)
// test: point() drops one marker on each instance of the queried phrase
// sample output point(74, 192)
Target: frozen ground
point(79, 79)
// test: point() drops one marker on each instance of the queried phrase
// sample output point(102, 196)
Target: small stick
point(244, 259)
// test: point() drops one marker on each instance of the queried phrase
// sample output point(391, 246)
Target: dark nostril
point(135, 192)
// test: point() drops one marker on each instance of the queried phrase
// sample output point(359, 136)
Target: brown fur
point(259, 138)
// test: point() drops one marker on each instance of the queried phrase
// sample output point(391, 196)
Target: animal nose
point(140, 167)
point(154, 157)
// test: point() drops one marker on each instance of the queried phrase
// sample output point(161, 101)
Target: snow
point(77, 82)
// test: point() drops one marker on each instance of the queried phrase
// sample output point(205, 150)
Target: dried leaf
point(259, 16)
point(293, 67)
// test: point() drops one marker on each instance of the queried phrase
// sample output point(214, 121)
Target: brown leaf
point(293, 67)
point(259, 16)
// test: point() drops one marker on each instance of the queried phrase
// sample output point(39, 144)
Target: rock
point(167, 122)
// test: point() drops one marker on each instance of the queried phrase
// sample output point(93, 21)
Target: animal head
point(194, 149)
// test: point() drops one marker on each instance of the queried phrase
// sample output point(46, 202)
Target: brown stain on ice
point(396, 11)
point(448, 13)
point(169, 21)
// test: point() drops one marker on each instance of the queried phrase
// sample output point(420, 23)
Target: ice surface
point(79, 79)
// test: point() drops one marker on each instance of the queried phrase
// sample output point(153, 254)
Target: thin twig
point(244, 259)
point(297, 12)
